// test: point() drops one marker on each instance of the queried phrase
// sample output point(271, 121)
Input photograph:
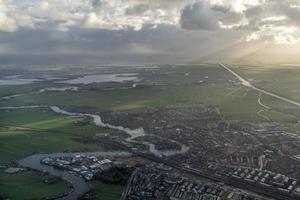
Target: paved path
point(260, 103)
point(248, 84)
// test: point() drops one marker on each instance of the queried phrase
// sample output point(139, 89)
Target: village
point(264, 179)
point(159, 182)
point(85, 166)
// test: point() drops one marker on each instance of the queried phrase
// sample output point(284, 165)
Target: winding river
point(80, 186)
point(133, 133)
point(51, 89)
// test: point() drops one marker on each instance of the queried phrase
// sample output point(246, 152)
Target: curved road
point(248, 84)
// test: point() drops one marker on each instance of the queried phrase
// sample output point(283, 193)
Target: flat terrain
point(196, 85)
point(28, 186)
point(27, 131)
point(107, 191)
point(282, 80)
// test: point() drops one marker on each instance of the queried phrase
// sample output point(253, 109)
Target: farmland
point(33, 130)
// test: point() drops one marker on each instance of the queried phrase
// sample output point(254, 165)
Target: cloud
point(274, 21)
point(210, 15)
point(200, 16)
point(7, 23)
point(164, 44)
point(123, 14)
point(140, 30)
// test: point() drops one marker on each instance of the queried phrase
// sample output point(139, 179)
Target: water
point(80, 186)
point(21, 107)
point(12, 96)
point(133, 133)
point(17, 81)
point(52, 89)
point(56, 89)
point(102, 78)
point(167, 153)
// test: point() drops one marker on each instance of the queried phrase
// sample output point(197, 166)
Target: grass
point(7, 90)
point(28, 186)
point(56, 132)
point(233, 100)
point(243, 105)
point(179, 87)
point(48, 132)
point(107, 191)
point(171, 87)
point(16, 145)
point(45, 119)
point(284, 81)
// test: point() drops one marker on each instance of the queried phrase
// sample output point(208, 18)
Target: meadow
point(29, 186)
point(106, 191)
point(283, 80)
point(180, 86)
point(27, 131)
point(195, 85)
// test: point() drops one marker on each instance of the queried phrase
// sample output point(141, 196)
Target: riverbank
point(79, 185)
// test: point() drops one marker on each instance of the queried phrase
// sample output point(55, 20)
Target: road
point(230, 182)
point(208, 176)
point(125, 193)
point(248, 84)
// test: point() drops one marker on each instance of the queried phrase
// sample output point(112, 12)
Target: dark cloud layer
point(165, 44)
point(199, 16)
point(139, 31)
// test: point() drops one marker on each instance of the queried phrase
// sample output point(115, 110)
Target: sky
point(148, 31)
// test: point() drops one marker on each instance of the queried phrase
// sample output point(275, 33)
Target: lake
point(101, 78)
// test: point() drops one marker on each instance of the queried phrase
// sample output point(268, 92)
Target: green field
point(107, 191)
point(203, 85)
point(40, 130)
point(172, 87)
point(28, 186)
point(16, 145)
point(280, 80)
point(30, 131)
point(7, 90)
point(45, 119)
point(27, 131)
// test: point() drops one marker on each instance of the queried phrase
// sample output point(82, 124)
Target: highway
point(248, 84)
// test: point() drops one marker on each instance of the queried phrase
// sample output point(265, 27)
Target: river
point(80, 186)
point(51, 89)
point(133, 133)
